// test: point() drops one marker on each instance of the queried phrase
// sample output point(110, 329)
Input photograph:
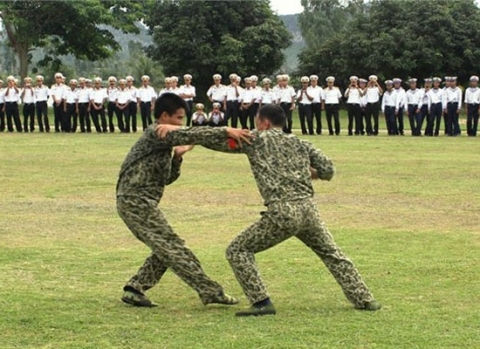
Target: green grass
point(406, 210)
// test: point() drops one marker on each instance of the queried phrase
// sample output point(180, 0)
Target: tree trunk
point(22, 54)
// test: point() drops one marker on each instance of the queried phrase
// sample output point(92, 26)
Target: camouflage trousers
point(282, 221)
point(148, 224)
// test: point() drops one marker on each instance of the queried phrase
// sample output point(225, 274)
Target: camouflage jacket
point(150, 166)
point(281, 164)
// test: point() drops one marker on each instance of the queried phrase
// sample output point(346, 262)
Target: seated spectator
point(216, 117)
point(199, 118)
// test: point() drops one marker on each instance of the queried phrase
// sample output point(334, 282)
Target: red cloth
point(232, 144)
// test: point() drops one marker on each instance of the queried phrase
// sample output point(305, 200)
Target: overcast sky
point(286, 7)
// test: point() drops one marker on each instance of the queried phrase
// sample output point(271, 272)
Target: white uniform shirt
point(13, 96)
point(133, 93)
point(112, 94)
point(333, 95)
point(199, 118)
point(215, 118)
point(164, 90)
point(305, 100)
point(372, 95)
point(231, 91)
point(176, 90)
point(98, 96)
point(401, 97)
point(317, 94)
point(257, 91)
point(414, 97)
point(268, 96)
point(188, 90)
point(123, 96)
point(146, 94)
point(363, 99)
point(2, 95)
point(83, 94)
point(436, 96)
point(28, 96)
point(472, 95)
point(42, 93)
point(390, 99)
point(425, 97)
point(217, 93)
point(247, 96)
point(453, 95)
point(285, 94)
point(71, 97)
point(57, 91)
point(353, 95)
point(241, 90)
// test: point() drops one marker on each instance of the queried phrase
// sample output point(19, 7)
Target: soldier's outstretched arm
point(321, 164)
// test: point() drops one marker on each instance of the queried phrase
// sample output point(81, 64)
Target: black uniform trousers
point(246, 116)
point(332, 111)
point(305, 113)
point(146, 112)
point(84, 117)
point(256, 107)
point(434, 119)
point(232, 113)
point(452, 119)
point(414, 119)
point(70, 121)
point(472, 119)
point(132, 109)
point(95, 116)
point(400, 121)
point(111, 109)
point(288, 113)
point(371, 112)
point(11, 109)
point(354, 115)
point(317, 113)
point(2, 117)
point(42, 116)
point(424, 115)
point(390, 120)
point(123, 118)
point(29, 117)
point(58, 115)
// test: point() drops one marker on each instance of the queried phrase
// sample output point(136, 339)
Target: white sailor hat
point(58, 75)
point(473, 78)
point(168, 80)
point(353, 78)
point(373, 78)
point(39, 78)
point(362, 80)
point(239, 78)
point(304, 79)
point(248, 79)
point(187, 77)
point(112, 78)
point(427, 80)
point(216, 105)
point(254, 78)
point(437, 79)
point(129, 78)
point(397, 81)
point(266, 81)
point(314, 77)
point(174, 78)
point(199, 106)
point(388, 82)
point(145, 78)
point(285, 77)
point(88, 81)
point(28, 79)
point(97, 79)
point(279, 77)
point(73, 82)
point(453, 78)
point(15, 81)
point(81, 80)
point(232, 76)
point(330, 79)
point(122, 81)
point(412, 80)
point(217, 77)
point(448, 78)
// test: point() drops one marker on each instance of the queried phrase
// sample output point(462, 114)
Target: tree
point(69, 27)
point(207, 37)
point(443, 39)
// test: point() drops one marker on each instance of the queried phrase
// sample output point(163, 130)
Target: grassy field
point(406, 210)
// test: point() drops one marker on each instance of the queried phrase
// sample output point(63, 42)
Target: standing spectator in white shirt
point(389, 108)
point(84, 105)
point(98, 96)
point(175, 88)
point(448, 82)
point(353, 95)
point(453, 102)
point(70, 109)
point(414, 99)
point(401, 99)
point(362, 85)
point(304, 101)
point(436, 100)
point(424, 109)
point(287, 101)
point(112, 97)
point(122, 106)
point(133, 103)
point(12, 98)
point(58, 90)
point(216, 116)
point(2, 107)
point(256, 94)
point(217, 92)
point(233, 94)
point(146, 97)
point(246, 104)
point(318, 102)
point(332, 105)
point(41, 97)
point(28, 99)
point(373, 93)
point(188, 93)
point(167, 86)
point(472, 102)
point(267, 94)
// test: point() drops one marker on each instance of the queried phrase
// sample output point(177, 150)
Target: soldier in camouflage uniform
point(283, 166)
point(150, 166)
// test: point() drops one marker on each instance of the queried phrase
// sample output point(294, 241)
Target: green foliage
point(205, 37)
point(402, 39)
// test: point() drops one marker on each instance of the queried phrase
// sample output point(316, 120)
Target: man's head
point(217, 79)
point(130, 81)
point(170, 109)
point(270, 116)
point(174, 81)
point(97, 82)
point(436, 82)
point(39, 79)
point(389, 85)
point(413, 83)
point(397, 83)
point(453, 82)
point(112, 81)
point(188, 79)
point(474, 81)
point(304, 80)
point(58, 78)
point(216, 107)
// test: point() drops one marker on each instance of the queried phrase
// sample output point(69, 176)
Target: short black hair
point(168, 103)
point(273, 113)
